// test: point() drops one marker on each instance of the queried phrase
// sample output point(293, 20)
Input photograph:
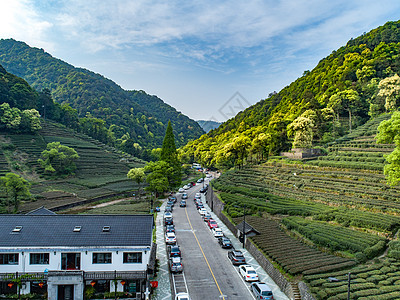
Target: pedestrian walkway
point(263, 276)
point(163, 291)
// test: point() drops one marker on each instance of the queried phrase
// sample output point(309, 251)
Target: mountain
point(342, 92)
point(208, 125)
point(131, 116)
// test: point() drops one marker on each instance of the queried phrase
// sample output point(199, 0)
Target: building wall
point(86, 261)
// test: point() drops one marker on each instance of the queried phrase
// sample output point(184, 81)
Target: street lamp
point(334, 279)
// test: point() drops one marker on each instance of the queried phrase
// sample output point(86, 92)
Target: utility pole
point(244, 222)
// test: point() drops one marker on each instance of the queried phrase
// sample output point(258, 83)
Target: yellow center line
point(201, 249)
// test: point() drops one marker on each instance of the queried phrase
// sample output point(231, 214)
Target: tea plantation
point(324, 217)
point(101, 170)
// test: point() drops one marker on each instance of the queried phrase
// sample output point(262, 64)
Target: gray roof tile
point(57, 230)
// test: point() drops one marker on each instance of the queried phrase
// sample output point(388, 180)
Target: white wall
point(86, 261)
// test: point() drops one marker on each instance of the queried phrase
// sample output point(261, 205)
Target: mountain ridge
point(90, 92)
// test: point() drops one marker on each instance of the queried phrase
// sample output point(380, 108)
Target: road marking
point(201, 249)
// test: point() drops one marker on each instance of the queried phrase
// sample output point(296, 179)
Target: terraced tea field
point(101, 170)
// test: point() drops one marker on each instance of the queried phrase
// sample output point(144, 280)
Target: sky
point(208, 59)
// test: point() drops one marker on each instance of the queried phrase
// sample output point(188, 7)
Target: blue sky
point(195, 55)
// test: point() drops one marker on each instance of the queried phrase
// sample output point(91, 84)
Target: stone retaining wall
point(305, 292)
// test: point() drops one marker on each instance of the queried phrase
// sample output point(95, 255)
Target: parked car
point(200, 180)
point(181, 190)
point(167, 214)
point(168, 208)
point(169, 228)
point(170, 202)
point(182, 296)
point(182, 203)
point(170, 238)
point(169, 221)
point(174, 251)
point(184, 196)
point(207, 217)
point(262, 291)
point(236, 257)
point(212, 223)
point(175, 265)
point(224, 242)
point(217, 232)
point(248, 273)
point(172, 198)
point(203, 190)
point(199, 205)
point(202, 211)
point(197, 196)
point(186, 187)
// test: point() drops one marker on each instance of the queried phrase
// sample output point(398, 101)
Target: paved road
point(209, 273)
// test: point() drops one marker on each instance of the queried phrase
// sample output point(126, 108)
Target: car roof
point(237, 252)
point(170, 234)
point(263, 286)
point(217, 229)
point(176, 259)
point(247, 267)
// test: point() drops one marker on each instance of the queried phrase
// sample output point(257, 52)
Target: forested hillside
point(345, 89)
point(133, 119)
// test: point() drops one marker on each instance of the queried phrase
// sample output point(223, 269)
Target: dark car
point(170, 202)
point(184, 196)
point(182, 203)
point(174, 251)
point(203, 190)
point(225, 242)
point(169, 221)
point(236, 257)
point(170, 228)
point(172, 198)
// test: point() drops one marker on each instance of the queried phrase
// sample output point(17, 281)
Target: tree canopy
point(58, 159)
point(15, 188)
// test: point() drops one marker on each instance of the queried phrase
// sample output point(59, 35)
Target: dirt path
point(109, 203)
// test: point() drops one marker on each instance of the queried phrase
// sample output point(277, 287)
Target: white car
point(170, 238)
point(217, 232)
point(181, 190)
point(186, 187)
point(197, 196)
point(182, 296)
point(167, 215)
point(248, 273)
point(202, 211)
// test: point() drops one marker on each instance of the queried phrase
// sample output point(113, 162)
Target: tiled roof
point(41, 211)
point(57, 230)
point(247, 228)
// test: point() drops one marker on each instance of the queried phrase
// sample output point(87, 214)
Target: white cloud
point(19, 20)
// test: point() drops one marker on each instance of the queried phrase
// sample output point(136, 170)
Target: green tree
point(389, 88)
point(347, 100)
point(30, 120)
point(10, 117)
point(238, 149)
point(138, 175)
point(58, 159)
point(170, 155)
point(16, 188)
point(302, 130)
point(157, 177)
point(389, 132)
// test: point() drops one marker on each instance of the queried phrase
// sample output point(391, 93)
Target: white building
point(68, 255)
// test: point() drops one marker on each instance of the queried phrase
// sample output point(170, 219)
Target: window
point(132, 257)
point(102, 258)
point(9, 259)
point(39, 259)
